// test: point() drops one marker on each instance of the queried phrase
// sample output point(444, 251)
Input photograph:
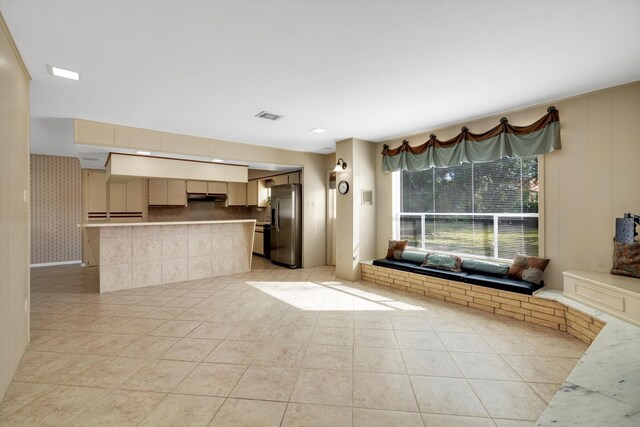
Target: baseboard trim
point(48, 264)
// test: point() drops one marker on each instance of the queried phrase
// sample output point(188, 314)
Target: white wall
point(592, 180)
point(356, 224)
point(14, 209)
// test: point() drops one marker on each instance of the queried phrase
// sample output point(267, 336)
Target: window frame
point(396, 183)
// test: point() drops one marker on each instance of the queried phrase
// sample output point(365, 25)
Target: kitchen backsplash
point(198, 211)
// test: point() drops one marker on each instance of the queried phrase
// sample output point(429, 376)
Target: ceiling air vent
point(90, 159)
point(268, 116)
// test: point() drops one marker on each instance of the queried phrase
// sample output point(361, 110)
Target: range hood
point(207, 197)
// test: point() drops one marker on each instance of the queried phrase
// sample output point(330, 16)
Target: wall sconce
point(341, 165)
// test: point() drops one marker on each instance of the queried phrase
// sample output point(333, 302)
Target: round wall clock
point(343, 187)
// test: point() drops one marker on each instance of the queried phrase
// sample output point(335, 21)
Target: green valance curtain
point(504, 140)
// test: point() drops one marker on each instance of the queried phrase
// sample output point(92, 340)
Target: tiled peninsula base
point(533, 309)
point(133, 255)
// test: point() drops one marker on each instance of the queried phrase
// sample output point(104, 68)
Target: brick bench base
point(531, 309)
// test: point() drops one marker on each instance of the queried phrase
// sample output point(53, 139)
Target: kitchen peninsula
point(138, 254)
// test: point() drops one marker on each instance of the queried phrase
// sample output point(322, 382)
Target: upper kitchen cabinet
point(257, 193)
point(197, 187)
point(294, 178)
point(134, 195)
point(189, 144)
point(176, 192)
point(206, 187)
point(126, 197)
point(215, 187)
point(125, 201)
point(131, 137)
point(117, 197)
point(236, 194)
point(167, 192)
point(94, 133)
point(95, 193)
point(252, 193)
point(160, 141)
point(280, 179)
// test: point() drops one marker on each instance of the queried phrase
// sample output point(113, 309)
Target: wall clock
point(343, 187)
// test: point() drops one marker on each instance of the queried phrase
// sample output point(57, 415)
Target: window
point(482, 209)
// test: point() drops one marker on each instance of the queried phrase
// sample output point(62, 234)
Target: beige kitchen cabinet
point(206, 187)
point(117, 197)
point(167, 192)
point(176, 192)
point(236, 194)
point(257, 193)
point(252, 193)
point(160, 141)
point(258, 241)
point(157, 192)
point(125, 201)
point(94, 133)
point(134, 195)
point(197, 187)
point(215, 187)
point(95, 192)
point(125, 136)
point(280, 179)
point(294, 178)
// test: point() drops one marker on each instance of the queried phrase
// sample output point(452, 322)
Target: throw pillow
point(626, 259)
point(396, 247)
point(413, 256)
point(528, 268)
point(485, 267)
point(442, 261)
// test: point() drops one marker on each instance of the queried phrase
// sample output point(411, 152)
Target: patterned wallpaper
point(56, 209)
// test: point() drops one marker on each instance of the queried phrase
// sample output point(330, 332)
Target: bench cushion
point(442, 274)
point(503, 283)
point(395, 264)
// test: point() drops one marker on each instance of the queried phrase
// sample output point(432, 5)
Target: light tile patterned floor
point(275, 347)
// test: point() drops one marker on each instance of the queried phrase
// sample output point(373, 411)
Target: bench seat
point(499, 283)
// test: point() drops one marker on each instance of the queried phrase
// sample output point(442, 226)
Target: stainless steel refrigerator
point(286, 225)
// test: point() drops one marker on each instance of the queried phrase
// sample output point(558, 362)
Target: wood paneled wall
point(14, 207)
point(592, 180)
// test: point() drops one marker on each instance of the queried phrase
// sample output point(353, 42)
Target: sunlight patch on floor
point(329, 296)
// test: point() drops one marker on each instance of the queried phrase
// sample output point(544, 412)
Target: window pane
point(517, 235)
point(453, 189)
point(411, 230)
point(462, 207)
point(418, 190)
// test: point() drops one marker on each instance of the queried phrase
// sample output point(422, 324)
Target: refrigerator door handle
point(277, 224)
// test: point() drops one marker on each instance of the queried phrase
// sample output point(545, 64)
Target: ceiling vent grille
point(268, 116)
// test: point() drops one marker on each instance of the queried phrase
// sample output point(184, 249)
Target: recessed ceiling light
point(143, 153)
point(317, 130)
point(217, 160)
point(67, 74)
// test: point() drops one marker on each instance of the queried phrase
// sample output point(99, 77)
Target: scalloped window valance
point(504, 140)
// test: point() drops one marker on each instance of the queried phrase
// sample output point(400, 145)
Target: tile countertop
point(604, 387)
point(130, 224)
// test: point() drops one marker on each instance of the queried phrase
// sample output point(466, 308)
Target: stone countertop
point(604, 387)
point(133, 224)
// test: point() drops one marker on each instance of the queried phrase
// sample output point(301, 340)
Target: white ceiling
point(366, 69)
